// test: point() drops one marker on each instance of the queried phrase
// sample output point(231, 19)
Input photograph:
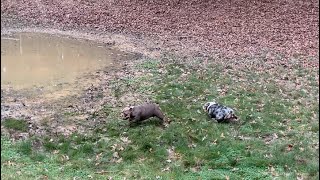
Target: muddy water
point(30, 60)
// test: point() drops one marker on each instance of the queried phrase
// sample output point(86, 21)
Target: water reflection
point(30, 59)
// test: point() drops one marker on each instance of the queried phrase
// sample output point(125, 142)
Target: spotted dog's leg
point(212, 114)
point(219, 116)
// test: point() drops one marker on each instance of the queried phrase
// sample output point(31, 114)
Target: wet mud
point(57, 83)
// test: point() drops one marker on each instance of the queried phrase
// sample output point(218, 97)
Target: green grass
point(16, 124)
point(277, 136)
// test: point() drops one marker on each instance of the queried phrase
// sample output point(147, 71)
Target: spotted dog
point(219, 112)
point(142, 112)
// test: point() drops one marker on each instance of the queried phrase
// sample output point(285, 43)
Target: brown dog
point(139, 113)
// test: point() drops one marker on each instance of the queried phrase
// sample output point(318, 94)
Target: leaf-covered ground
point(232, 28)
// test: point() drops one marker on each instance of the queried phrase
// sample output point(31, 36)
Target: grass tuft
point(16, 124)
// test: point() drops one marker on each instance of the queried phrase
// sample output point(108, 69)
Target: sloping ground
point(233, 28)
point(275, 96)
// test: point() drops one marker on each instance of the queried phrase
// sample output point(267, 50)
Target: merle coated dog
point(219, 112)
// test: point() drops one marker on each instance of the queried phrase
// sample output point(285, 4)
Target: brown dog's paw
point(164, 125)
point(167, 120)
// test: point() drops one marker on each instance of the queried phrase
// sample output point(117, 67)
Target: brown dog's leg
point(134, 120)
point(159, 114)
point(164, 121)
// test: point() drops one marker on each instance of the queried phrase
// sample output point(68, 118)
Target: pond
point(36, 60)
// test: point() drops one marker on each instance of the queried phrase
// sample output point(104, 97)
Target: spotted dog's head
point(126, 113)
point(231, 116)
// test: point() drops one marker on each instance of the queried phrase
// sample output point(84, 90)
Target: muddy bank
point(70, 107)
point(61, 108)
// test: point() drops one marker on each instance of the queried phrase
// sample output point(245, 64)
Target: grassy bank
point(277, 135)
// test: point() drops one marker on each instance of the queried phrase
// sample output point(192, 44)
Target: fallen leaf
point(222, 135)
point(289, 147)
point(205, 137)
point(101, 172)
point(273, 171)
point(115, 155)
point(165, 169)
point(119, 160)
point(214, 142)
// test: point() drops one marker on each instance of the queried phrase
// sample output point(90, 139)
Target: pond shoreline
point(49, 112)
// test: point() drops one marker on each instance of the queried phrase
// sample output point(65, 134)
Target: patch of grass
point(38, 156)
point(16, 164)
point(277, 136)
point(16, 124)
point(49, 145)
point(148, 64)
point(25, 147)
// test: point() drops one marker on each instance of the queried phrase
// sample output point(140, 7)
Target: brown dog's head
point(126, 113)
